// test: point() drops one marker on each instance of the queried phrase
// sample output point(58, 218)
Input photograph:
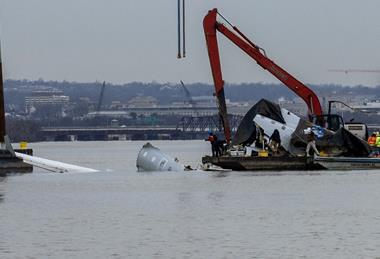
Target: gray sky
point(136, 40)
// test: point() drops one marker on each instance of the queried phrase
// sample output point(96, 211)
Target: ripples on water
point(119, 213)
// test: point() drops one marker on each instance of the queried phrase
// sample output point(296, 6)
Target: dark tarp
point(339, 143)
point(355, 146)
point(246, 131)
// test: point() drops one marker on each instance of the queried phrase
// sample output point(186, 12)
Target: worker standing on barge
point(275, 141)
point(377, 139)
point(311, 144)
point(213, 141)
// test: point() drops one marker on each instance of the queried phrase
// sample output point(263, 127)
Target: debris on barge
point(249, 149)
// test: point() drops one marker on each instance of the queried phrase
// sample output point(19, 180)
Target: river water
point(119, 213)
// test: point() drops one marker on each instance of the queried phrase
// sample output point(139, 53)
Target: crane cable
point(242, 35)
point(183, 30)
point(179, 29)
point(181, 20)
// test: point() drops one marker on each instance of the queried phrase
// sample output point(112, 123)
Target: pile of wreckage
point(338, 149)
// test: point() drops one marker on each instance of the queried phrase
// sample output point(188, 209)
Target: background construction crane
point(188, 95)
point(354, 70)
point(100, 100)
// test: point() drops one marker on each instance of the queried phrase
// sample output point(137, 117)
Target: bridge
point(108, 133)
point(188, 128)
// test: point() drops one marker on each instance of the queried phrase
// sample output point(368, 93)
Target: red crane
point(211, 26)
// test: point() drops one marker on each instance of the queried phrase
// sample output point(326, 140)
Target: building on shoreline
point(47, 99)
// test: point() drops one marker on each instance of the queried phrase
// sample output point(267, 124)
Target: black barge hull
point(263, 163)
point(10, 164)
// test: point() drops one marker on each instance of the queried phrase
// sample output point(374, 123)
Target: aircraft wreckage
point(338, 147)
point(249, 148)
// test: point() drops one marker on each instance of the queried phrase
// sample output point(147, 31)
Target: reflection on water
point(221, 174)
point(2, 180)
point(184, 197)
point(216, 198)
point(119, 213)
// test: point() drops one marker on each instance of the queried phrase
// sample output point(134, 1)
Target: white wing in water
point(52, 165)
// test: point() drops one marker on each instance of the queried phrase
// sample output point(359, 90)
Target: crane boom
point(211, 26)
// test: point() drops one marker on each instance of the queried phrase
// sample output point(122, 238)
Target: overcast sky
point(136, 40)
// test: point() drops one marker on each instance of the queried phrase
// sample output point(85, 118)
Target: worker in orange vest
point(213, 140)
point(378, 139)
point(372, 140)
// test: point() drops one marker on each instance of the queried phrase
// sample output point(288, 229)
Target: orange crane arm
point(211, 26)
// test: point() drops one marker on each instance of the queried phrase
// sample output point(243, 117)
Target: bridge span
point(188, 128)
point(109, 133)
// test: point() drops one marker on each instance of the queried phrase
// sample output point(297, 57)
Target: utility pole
point(2, 110)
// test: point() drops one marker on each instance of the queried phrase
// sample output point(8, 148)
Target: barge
point(289, 163)
point(243, 163)
point(348, 163)
point(10, 164)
